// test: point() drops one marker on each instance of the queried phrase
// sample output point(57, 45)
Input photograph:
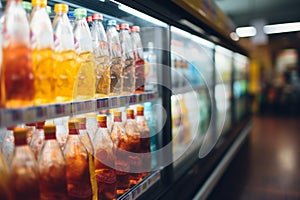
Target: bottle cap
point(80, 12)
point(27, 5)
point(10, 128)
point(49, 10)
point(71, 14)
point(81, 120)
point(117, 114)
point(40, 3)
point(49, 128)
point(30, 124)
point(20, 133)
point(89, 19)
point(101, 118)
point(129, 111)
point(40, 125)
point(135, 29)
point(61, 8)
point(111, 22)
point(97, 16)
point(73, 124)
point(124, 26)
point(140, 108)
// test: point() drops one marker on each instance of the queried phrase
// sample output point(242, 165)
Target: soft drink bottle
point(5, 189)
point(127, 55)
point(100, 48)
point(145, 139)
point(66, 64)
point(104, 161)
point(134, 145)
point(138, 59)
point(71, 17)
point(42, 52)
point(17, 74)
point(86, 78)
point(116, 61)
point(24, 170)
point(77, 162)
point(120, 140)
point(52, 167)
point(38, 139)
point(86, 141)
point(8, 145)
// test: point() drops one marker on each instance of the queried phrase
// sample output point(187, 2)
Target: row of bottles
point(94, 163)
point(58, 62)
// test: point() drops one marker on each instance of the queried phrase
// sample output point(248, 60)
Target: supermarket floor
point(267, 165)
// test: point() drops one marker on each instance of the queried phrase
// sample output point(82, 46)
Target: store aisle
point(268, 164)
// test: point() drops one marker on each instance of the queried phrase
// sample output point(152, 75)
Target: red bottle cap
point(89, 19)
point(50, 131)
point(124, 26)
point(135, 29)
point(40, 125)
point(97, 16)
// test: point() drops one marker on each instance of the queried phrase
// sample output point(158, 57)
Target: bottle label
point(79, 189)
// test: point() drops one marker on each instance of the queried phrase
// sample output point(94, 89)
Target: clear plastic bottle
point(77, 162)
point(66, 60)
point(134, 144)
point(89, 21)
point(52, 167)
point(138, 59)
point(24, 170)
point(145, 139)
point(120, 140)
point(86, 79)
point(104, 161)
point(150, 69)
point(8, 145)
point(38, 139)
point(71, 18)
point(42, 52)
point(100, 48)
point(17, 73)
point(116, 61)
point(128, 57)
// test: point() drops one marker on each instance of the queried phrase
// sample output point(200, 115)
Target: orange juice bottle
point(66, 60)
point(42, 52)
point(17, 75)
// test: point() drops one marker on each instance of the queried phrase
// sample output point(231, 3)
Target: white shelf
point(11, 117)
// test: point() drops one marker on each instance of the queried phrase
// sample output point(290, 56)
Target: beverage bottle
point(100, 49)
point(134, 146)
point(127, 55)
point(24, 170)
point(145, 139)
point(116, 62)
point(38, 139)
point(138, 59)
point(83, 44)
point(17, 74)
point(91, 125)
point(52, 167)
point(28, 8)
point(71, 17)
point(66, 64)
point(104, 161)
point(120, 140)
point(30, 129)
point(61, 131)
point(89, 21)
point(77, 164)
point(86, 141)
point(5, 189)
point(42, 53)
point(8, 145)
point(150, 69)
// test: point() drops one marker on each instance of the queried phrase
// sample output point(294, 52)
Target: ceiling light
point(282, 28)
point(248, 31)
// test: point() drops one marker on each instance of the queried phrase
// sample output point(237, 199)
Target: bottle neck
point(130, 116)
point(79, 17)
point(140, 113)
point(20, 141)
point(117, 119)
point(82, 127)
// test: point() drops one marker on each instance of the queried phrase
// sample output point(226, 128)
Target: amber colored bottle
point(120, 141)
point(104, 161)
point(134, 145)
point(17, 75)
point(77, 162)
point(145, 140)
point(24, 171)
point(52, 167)
point(86, 141)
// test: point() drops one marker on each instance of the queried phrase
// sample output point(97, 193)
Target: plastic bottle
point(24, 170)
point(100, 49)
point(134, 146)
point(120, 140)
point(145, 139)
point(8, 145)
point(42, 52)
point(61, 130)
point(52, 167)
point(116, 62)
point(77, 162)
point(104, 161)
point(38, 139)
point(151, 69)
point(17, 74)
point(30, 129)
point(71, 18)
point(138, 59)
point(28, 8)
point(66, 64)
point(89, 21)
point(128, 57)
point(86, 79)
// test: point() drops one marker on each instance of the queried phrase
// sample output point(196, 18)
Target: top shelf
point(11, 117)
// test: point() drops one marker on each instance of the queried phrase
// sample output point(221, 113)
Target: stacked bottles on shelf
point(94, 163)
point(70, 59)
